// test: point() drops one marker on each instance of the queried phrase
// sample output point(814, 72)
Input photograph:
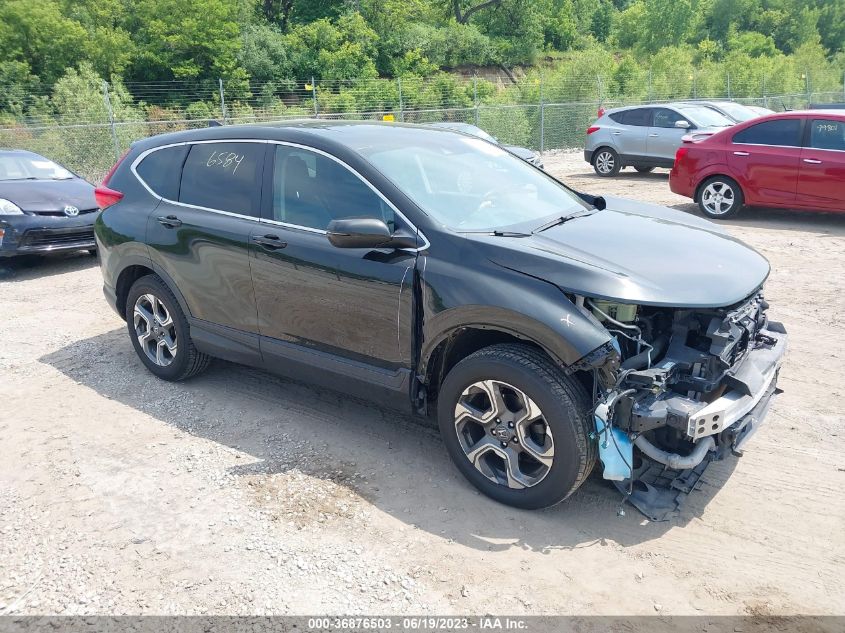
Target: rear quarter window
point(224, 177)
point(162, 169)
point(783, 132)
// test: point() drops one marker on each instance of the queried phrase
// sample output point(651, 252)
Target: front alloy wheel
point(503, 434)
point(155, 330)
point(516, 426)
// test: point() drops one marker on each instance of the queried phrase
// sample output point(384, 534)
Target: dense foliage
point(266, 50)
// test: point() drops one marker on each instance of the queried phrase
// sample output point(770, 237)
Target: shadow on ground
point(405, 470)
point(26, 267)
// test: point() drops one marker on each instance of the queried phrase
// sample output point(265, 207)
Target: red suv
point(794, 160)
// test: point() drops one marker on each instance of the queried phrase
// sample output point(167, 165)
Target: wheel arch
point(135, 271)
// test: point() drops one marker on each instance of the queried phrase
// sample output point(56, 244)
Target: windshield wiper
point(561, 220)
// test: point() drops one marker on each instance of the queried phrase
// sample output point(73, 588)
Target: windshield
point(29, 167)
point(738, 111)
point(703, 116)
point(468, 184)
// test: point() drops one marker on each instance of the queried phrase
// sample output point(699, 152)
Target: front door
point(664, 138)
point(321, 304)
point(821, 182)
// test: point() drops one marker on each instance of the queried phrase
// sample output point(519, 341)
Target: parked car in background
point(528, 155)
point(645, 137)
point(736, 112)
point(44, 208)
point(793, 159)
point(543, 328)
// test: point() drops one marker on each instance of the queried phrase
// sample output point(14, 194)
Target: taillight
point(592, 128)
point(106, 197)
point(682, 151)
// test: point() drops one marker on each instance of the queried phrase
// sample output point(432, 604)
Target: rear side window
point(785, 132)
point(224, 176)
point(638, 116)
point(827, 134)
point(161, 170)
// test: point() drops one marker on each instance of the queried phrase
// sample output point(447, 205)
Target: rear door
point(631, 136)
point(764, 159)
point(199, 234)
point(664, 138)
point(821, 181)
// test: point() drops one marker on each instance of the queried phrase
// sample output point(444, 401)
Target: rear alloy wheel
point(516, 426)
point(720, 198)
point(159, 331)
point(606, 162)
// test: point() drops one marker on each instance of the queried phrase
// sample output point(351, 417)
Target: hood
point(49, 195)
point(523, 152)
point(636, 253)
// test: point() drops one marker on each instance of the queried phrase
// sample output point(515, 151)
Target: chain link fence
point(88, 131)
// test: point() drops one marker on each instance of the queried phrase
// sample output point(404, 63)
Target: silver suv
point(645, 137)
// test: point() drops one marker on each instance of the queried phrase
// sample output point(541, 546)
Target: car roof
point(351, 135)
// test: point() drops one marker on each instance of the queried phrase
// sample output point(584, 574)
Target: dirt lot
point(238, 492)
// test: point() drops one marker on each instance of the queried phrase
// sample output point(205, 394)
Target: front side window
point(827, 134)
point(223, 176)
point(311, 190)
point(784, 132)
point(664, 117)
point(468, 184)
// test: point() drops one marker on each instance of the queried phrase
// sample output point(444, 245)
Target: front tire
point(606, 162)
point(516, 427)
point(720, 198)
point(159, 331)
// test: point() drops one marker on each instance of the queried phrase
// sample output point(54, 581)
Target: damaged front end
point(685, 387)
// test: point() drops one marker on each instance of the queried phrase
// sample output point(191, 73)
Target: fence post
point(401, 105)
point(107, 101)
point(222, 102)
point(694, 85)
point(314, 97)
point(542, 117)
point(807, 87)
point(729, 84)
point(475, 96)
point(649, 85)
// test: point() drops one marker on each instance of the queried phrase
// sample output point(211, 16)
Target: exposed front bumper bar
point(755, 377)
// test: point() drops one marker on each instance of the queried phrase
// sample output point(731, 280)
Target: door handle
point(654, 134)
point(170, 221)
point(741, 154)
point(812, 161)
point(616, 133)
point(270, 242)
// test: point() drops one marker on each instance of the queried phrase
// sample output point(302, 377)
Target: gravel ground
point(241, 493)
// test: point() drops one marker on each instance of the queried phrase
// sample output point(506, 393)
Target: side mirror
point(682, 124)
point(366, 233)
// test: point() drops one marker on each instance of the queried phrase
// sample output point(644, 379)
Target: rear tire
point(159, 331)
point(606, 162)
point(720, 197)
point(644, 170)
point(534, 449)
